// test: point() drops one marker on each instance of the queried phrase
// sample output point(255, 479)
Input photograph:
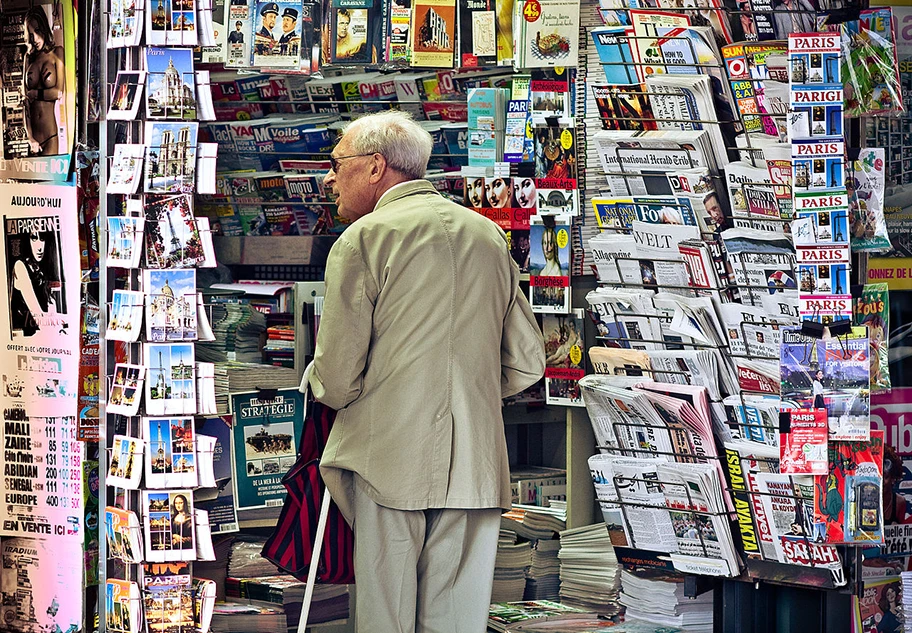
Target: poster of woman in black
point(45, 78)
point(36, 283)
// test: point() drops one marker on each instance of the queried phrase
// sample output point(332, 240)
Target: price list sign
point(42, 476)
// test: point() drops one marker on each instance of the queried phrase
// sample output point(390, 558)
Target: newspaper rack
point(846, 578)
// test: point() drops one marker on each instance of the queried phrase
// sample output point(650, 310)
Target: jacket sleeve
point(522, 347)
point(343, 340)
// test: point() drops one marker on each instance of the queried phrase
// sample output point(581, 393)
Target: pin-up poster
point(38, 85)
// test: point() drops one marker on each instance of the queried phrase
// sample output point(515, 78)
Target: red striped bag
point(291, 546)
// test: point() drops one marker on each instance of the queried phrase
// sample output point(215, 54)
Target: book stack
point(589, 570)
point(658, 598)
point(280, 345)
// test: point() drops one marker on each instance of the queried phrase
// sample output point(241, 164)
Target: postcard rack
point(819, 568)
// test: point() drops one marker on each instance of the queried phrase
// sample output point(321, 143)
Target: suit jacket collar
point(403, 190)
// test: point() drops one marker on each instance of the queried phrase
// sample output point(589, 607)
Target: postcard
point(122, 532)
point(170, 386)
point(171, 462)
point(170, 305)
point(128, 89)
point(172, 235)
point(171, 22)
point(171, 81)
point(125, 241)
point(126, 389)
point(125, 320)
point(126, 462)
point(126, 167)
point(169, 529)
point(170, 156)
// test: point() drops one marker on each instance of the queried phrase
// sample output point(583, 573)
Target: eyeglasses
point(334, 160)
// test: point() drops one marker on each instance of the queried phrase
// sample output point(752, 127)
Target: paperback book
point(548, 36)
point(549, 272)
point(433, 33)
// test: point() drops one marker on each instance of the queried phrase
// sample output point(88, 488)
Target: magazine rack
point(846, 579)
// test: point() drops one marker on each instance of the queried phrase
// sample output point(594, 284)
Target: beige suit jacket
point(424, 330)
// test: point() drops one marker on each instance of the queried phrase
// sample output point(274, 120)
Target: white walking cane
point(321, 525)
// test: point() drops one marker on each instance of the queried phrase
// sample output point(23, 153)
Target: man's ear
point(378, 168)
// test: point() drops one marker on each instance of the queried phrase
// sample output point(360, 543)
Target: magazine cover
point(171, 462)
point(872, 310)
point(170, 386)
point(549, 270)
point(831, 373)
point(880, 607)
point(171, 22)
point(848, 500)
point(564, 358)
point(277, 39)
point(126, 389)
point(548, 36)
point(170, 305)
point(170, 157)
point(555, 157)
point(169, 530)
point(172, 236)
point(36, 585)
point(265, 445)
point(128, 90)
point(171, 81)
point(240, 33)
point(219, 501)
point(814, 58)
point(351, 33)
point(433, 33)
point(38, 84)
point(477, 34)
point(37, 283)
point(122, 606)
point(126, 462)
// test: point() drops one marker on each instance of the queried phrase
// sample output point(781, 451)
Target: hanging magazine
point(848, 500)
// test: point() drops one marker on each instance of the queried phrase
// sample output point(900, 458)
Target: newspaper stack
point(658, 598)
point(513, 559)
point(240, 377)
point(535, 522)
point(286, 593)
point(907, 599)
point(589, 570)
point(237, 328)
point(245, 561)
point(543, 578)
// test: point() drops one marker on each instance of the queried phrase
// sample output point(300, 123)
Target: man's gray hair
point(395, 135)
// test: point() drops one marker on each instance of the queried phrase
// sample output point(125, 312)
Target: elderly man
point(424, 330)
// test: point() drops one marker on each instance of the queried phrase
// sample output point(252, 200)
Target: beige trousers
point(422, 571)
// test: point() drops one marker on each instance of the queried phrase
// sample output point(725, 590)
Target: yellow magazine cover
point(434, 33)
